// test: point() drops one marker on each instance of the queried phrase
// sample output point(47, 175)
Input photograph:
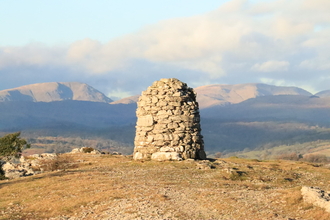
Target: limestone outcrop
point(316, 197)
point(168, 124)
point(85, 150)
point(27, 166)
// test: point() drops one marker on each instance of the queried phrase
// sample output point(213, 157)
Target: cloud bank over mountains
point(278, 42)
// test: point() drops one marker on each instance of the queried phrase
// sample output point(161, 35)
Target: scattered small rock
point(205, 165)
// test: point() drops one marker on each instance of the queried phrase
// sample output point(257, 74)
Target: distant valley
point(235, 118)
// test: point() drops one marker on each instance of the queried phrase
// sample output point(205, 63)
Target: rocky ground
point(116, 187)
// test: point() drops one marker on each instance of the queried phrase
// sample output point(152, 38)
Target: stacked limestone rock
point(168, 125)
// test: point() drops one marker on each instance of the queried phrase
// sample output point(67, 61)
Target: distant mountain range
point(234, 117)
point(207, 96)
point(127, 100)
point(214, 95)
point(325, 93)
point(54, 91)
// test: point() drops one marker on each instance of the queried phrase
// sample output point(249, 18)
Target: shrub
point(218, 155)
point(87, 149)
point(255, 160)
point(315, 158)
point(61, 162)
point(237, 175)
point(2, 172)
point(11, 146)
point(289, 156)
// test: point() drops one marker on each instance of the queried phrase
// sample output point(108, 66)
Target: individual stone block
point(164, 156)
point(145, 121)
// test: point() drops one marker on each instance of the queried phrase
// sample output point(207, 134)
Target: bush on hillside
point(315, 158)
point(61, 162)
point(87, 149)
point(2, 172)
point(289, 156)
point(11, 146)
point(218, 155)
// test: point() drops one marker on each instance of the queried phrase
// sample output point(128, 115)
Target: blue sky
point(121, 47)
point(63, 21)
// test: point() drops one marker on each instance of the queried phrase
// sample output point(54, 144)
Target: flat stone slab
point(164, 156)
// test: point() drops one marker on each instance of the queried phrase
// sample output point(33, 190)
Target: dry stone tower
point(168, 125)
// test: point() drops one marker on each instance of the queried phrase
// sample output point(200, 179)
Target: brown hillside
point(115, 187)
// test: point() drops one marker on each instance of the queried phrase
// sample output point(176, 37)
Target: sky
point(121, 47)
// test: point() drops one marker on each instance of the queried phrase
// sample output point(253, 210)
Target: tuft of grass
point(237, 175)
point(61, 162)
point(255, 160)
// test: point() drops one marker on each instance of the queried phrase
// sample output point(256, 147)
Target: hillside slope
point(254, 123)
point(53, 91)
point(282, 108)
point(265, 122)
point(75, 114)
point(322, 94)
point(127, 100)
point(116, 187)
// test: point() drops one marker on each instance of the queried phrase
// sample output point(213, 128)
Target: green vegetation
point(88, 149)
point(11, 145)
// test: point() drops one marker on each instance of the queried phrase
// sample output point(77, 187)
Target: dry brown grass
point(61, 162)
point(269, 190)
point(33, 151)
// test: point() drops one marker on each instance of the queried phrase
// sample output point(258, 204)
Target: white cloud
point(317, 5)
point(32, 54)
point(118, 94)
point(238, 41)
point(271, 66)
point(272, 81)
point(284, 83)
point(316, 64)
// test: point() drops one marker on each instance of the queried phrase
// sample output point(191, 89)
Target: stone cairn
point(168, 125)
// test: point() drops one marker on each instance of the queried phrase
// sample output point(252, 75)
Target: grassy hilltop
point(116, 187)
